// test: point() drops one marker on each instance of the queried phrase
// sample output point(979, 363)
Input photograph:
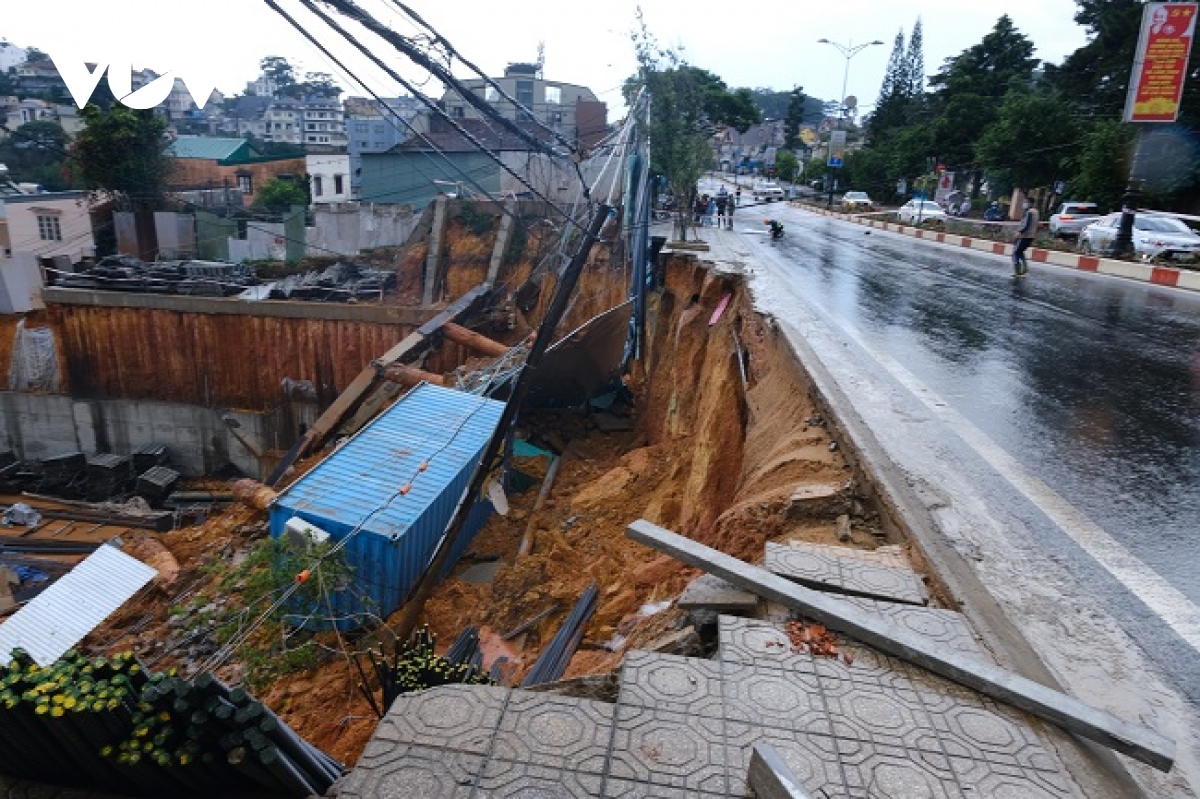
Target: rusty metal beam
point(473, 341)
point(369, 378)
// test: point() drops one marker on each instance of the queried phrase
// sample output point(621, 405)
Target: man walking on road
point(1025, 234)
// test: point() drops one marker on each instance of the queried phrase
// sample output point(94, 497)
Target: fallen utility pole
point(411, 613)
point(473, 341)
point(368, 379)
point(1141, 743)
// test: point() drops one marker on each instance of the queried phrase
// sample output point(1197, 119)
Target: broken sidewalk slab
point(946, 628)
point(829, 569)
point(818, 501)
point(708, 592)
point(62, 615)
point(1137, 741)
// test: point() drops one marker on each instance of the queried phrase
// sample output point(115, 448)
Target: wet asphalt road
point(1091, 384)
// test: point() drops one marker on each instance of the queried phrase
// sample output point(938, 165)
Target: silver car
point(1071, 218)
point(1161, 238)
point(914, 212)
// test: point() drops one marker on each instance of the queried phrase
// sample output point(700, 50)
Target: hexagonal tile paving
point(555, 731)
point(672, 683)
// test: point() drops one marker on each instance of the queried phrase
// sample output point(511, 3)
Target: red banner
point(1160, 64)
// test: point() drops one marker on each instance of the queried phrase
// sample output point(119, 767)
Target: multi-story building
point(283, 121)
point(11, 56)
point(324, 122)
point(375, 127)
point(572, 111)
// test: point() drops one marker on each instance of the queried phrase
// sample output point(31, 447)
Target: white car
point(1154, 237)
point(915, 212)
point(770, 192)
point(1071, 218)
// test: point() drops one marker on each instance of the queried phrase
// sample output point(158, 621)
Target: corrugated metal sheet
point(59, 617)
point(357, 488)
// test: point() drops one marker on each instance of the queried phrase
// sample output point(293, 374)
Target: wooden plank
point(770, 777)
point(1139, 742)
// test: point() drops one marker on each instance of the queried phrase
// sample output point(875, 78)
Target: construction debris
point(558, 653)
point(197, 278)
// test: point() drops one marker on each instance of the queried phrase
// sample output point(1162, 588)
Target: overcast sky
point(771, 44)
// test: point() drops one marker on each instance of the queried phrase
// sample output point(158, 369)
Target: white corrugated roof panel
point(59, 617)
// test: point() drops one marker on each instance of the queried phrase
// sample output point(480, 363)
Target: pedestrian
point(1025, 234)
point(734, 202)
point(710, 212)
point(722, 206)
point(699, 207)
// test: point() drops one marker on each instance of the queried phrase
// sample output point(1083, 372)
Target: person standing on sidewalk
point(722, 207)
point(1025, 235)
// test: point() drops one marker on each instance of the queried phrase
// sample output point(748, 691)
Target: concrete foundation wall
point(200, 439)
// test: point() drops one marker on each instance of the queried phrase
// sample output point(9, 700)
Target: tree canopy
point(123, 150)
point(36, 152)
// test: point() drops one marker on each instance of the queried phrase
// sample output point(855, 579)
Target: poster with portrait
point(1160, 63)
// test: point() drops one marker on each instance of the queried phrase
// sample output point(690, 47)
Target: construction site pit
point(716, 434)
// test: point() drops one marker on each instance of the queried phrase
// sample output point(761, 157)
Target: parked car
point(857, 201)
point(1162, 238)
point(1071, 218)
point(914, 212)
point(768, 191)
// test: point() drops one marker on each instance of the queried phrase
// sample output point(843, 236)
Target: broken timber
point(369, 378)
point(1141, 743)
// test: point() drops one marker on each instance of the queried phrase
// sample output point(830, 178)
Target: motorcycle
point(776, 228)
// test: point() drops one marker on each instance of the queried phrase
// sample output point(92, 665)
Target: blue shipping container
point(430, 439)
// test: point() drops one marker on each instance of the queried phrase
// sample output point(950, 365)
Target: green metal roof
point(210, 148)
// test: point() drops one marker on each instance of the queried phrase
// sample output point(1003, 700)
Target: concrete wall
point(353, 227)
point(20, 284)
point(176, 234)
point(200, 440)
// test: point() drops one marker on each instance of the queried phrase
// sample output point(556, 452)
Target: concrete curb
point(1146, 273)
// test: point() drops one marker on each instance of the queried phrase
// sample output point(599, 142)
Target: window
point(337, 184)
point(525, 93)
point(49, 228)
point(317, 186)
point(554, 94)
point(490, 94)
point(246, 184)
point(362, 144)
point(457, 112)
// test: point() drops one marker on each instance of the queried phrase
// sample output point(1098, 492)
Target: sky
point(765, 44)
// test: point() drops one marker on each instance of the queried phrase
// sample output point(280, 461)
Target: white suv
point(769, 192)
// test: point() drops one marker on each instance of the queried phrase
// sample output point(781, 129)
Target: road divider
point(1146, 273)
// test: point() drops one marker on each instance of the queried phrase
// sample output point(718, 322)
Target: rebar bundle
point(415, 666)
point(558, 653)
point(107, 723)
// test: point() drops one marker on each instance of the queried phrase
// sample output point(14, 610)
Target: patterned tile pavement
point(825, 568)
point(874, 728)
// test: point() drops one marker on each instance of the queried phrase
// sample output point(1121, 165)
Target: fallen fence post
point(1140, 743)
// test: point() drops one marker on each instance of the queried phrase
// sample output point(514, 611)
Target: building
point(11, 56)
point(375, 127)
point(283, 121)
point(43, 230)
point(204, 162)
point(245, 116)
point(441, 161)
point(571, 111)
point(324, 123)
point(328, 178)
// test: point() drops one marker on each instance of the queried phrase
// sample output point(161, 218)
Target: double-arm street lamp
point(848, 51)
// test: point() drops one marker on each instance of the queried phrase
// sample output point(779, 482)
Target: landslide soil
point(723, 431)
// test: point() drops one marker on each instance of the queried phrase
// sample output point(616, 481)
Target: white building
point(11, 56)
point(324, 122)
point(329, 178)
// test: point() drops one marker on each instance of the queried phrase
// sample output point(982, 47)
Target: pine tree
point(794, 118)
point(893, 94)
point(914, 63)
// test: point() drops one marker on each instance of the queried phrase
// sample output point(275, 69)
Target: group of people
point(717, 209)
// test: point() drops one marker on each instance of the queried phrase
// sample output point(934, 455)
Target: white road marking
point(1168, 602)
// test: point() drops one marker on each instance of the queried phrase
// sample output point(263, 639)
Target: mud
point(724, 431)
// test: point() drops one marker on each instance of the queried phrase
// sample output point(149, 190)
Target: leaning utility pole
point(411, 613)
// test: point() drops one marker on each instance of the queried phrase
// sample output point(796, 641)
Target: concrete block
point(770, 777)
point(707, 592)
point(818, 501)
point(825, 569)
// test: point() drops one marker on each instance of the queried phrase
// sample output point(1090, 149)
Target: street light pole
point(848, 51)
